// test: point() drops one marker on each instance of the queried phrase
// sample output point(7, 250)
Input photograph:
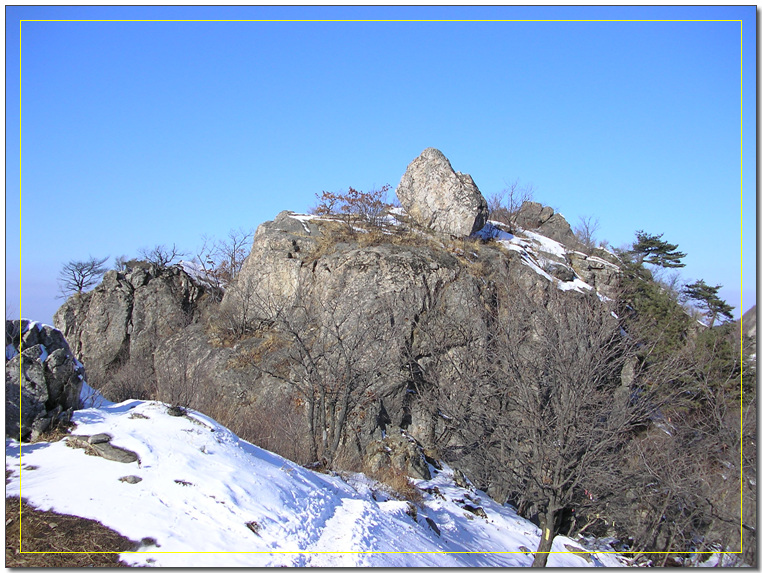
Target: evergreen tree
point(654, 251)
point(706, 298)
point(652, 311)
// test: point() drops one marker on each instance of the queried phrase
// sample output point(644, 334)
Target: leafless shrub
point(177, 381)
point(277, 425)
point(133, 380)
point(355, 206)
point(161, 255)
point(318, 348)
point(505, 205)
point(222, 260)
point(585, 232)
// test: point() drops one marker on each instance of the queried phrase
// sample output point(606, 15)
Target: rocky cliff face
point(127, 315)
point(43, 379)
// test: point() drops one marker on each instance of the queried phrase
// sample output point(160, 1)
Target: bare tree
point(505, 205)
point(233, 251)
point(585, 231)
point(120, 263)
point(78, 276)
point(548, 420)
point(331, 352)
point(178, 381)
point(221, 261)
point(207, 258)
point(160, 255)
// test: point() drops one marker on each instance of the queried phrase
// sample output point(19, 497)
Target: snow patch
point(196, 272)
point(303, 220)
point(547, 245)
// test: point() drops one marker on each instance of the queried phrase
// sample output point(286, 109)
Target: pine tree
point(654, 251)
point(706, 298)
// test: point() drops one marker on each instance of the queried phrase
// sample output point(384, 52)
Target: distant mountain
point(749, 322)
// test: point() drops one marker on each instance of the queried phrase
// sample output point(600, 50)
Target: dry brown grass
point(333, 233)
point(398, 484)
point(36, 538)
point(271, 342)
point(58, 432)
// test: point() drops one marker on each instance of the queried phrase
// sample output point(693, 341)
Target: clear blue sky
point(132, 134)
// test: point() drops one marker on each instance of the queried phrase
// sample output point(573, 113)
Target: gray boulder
point(43, 380)
point(439, 198)
point(398, 452)
point(544, 220)
point(532, 215)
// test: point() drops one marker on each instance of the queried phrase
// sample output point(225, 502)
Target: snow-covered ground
point(209, 499)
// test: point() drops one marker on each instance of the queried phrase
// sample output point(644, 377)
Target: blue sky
point(134, 134)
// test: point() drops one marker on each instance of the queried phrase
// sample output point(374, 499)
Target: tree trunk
point(340, 421)
point(548, 526)
point(313, 437)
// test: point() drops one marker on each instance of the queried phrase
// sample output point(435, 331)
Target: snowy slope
point(201, 485)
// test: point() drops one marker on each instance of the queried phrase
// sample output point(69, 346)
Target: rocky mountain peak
point(439, 198)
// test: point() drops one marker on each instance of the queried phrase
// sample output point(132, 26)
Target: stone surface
point(127, 315)
point(176, 411)
point(397, 451)
point(532, 215)
point(99, 439)
point(433, 526)
point(439, 198)
point(42, 379)
point(599, 273)
point(115, 454)
point(102, 447)
point(542, 219)
point(749, 322)
point(560, 271)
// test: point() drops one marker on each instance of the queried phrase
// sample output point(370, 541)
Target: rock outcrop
point(393, 310)
point(393, 290)
point(439, 198)
point(397, 451)
point(100, 445)
point(43, 379)
point(541, 218)
point(600, 273)
point(127, 315)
